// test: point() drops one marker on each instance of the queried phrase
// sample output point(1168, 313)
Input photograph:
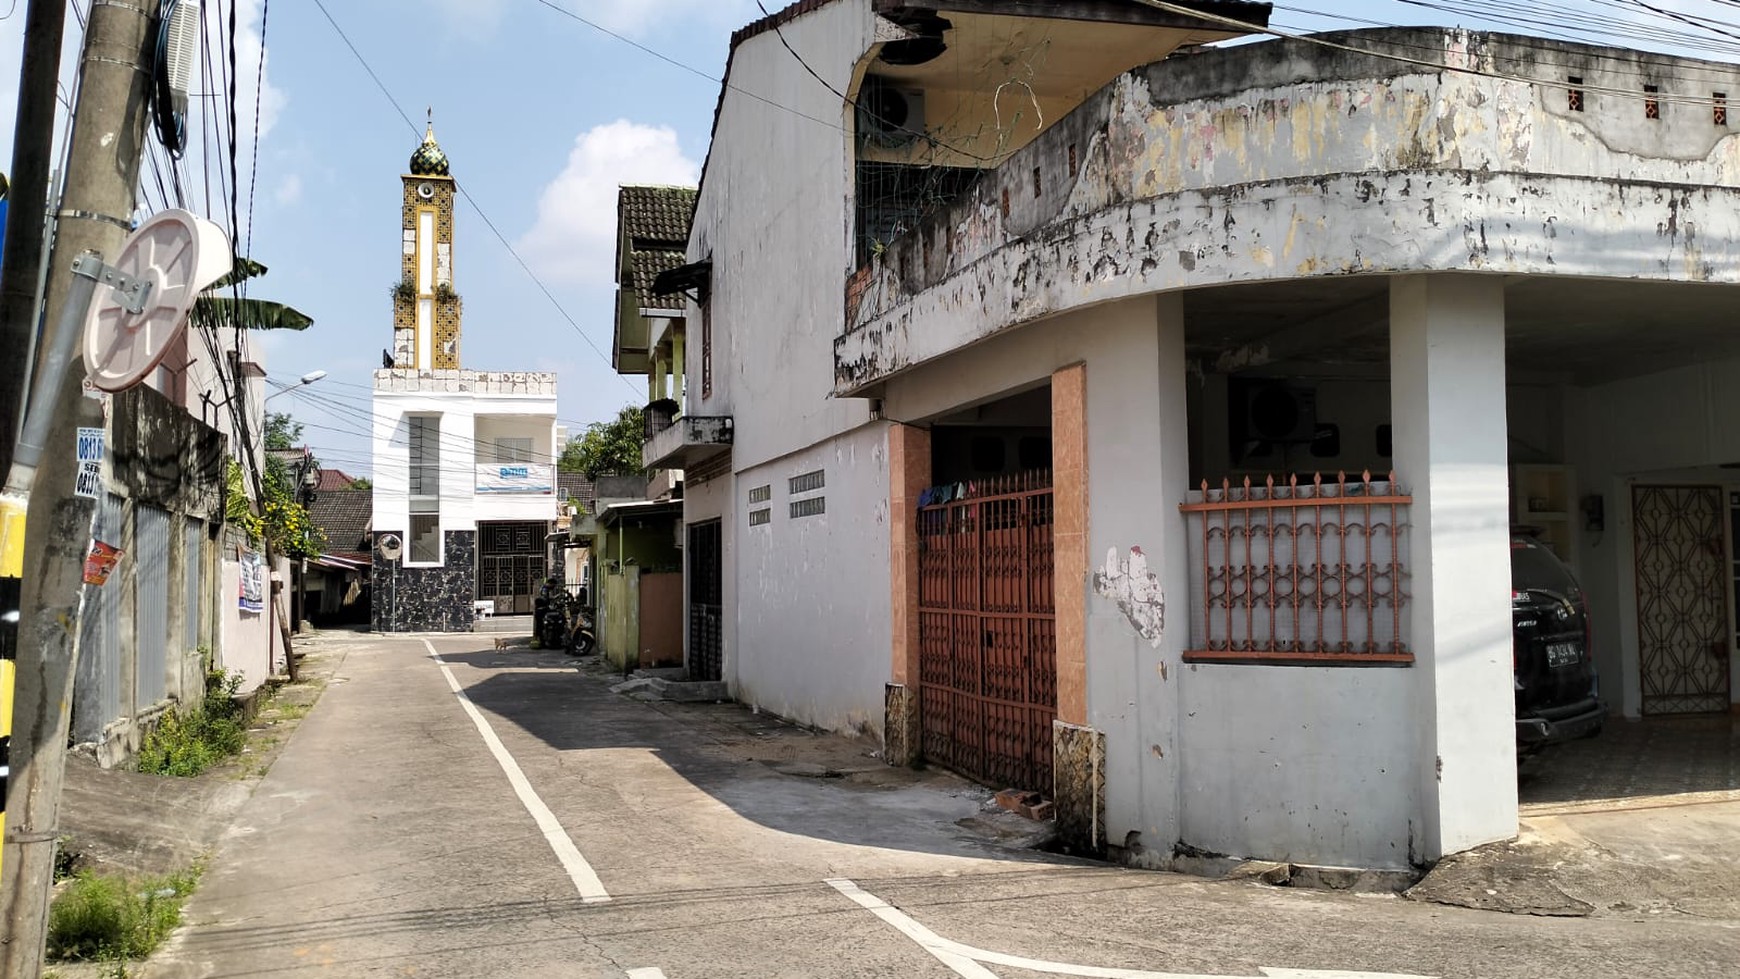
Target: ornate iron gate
point(511, 565)
point(987, 631)
point(706, 602)
point(1682, 605)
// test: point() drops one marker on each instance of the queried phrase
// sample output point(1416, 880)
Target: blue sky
point(542, 117)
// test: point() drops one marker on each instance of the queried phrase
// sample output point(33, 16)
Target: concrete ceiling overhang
point(1575, 329)
point(1059, 56)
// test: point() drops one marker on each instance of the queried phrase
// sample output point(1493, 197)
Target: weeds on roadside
point(107, 919)
point(185, 744)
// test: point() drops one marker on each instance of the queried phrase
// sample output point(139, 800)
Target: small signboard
point(89, 482)
point(100, 561)
point(253, 575)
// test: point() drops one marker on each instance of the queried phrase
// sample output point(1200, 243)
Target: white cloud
point(573, 238)
point(289, 190)
point(635, 17)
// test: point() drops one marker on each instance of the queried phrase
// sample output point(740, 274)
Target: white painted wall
point(779, 238)
point(813, 598)
point(1676, 427)
point(462, 437)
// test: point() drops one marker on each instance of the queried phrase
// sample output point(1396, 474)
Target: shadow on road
point(765, 769)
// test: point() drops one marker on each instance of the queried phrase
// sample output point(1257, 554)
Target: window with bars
point(1651, 104)
point(761, 494)
point(809, 507)
point(807, 482)
point(1574, 94)
point(760, 517)
point(707, 349)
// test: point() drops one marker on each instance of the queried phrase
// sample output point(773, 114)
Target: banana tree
point(213, 310)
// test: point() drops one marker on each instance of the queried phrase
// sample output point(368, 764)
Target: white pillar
point(1447, 397)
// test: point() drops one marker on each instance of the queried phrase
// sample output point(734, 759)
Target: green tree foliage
point(280, 518)
point(609, 448)
point(282, 431)
point(361, 483)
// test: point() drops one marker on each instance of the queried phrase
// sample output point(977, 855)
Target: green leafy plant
point(186, 744)
point(607, 448)
point(444, 291)
point(405, 288)
point(101, 918)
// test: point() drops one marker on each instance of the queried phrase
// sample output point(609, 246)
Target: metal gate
point(706, 601)
point(1682, 605)
point(987, 631)
point(510, 565)
point(97, 686)
point(151, 605)
point(192, 583)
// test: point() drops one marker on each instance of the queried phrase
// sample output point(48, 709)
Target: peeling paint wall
point(1126, 580)
point(1221, 167)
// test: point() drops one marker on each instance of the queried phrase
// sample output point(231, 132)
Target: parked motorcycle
point(582, 636)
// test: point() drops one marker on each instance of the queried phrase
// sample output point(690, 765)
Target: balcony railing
point(516, 479)
point(1300, 573)
point(683, 441)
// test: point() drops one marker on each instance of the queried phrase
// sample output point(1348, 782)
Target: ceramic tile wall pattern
point(431, 599)
point(1079, 787)
point(900, 732)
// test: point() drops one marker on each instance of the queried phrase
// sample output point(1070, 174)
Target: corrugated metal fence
point(97, 689)
point(151, 530)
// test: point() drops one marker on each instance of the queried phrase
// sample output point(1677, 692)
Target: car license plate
point(1563, 654)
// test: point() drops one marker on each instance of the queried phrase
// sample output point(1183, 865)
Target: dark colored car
point(1557, 695)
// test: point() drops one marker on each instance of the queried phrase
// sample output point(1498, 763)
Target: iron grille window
point(1719, 112)
point(761, 494)
point(706, 350)
point(807, 482)
point(1574, 94)
point(1651, 105)
point(761, 516)
point(809, 507)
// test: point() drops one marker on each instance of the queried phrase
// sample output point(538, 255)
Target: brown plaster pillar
point(908, 475)
point(1069, 541)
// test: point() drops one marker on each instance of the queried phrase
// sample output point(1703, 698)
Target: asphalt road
point(534, 824)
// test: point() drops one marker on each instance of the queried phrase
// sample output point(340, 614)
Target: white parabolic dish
point(179, 254)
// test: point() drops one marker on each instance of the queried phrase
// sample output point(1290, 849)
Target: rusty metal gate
point(706, 601)
point(987, 630)
point(1682, 605)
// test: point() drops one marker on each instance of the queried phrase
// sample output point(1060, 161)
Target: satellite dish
point(176, 254)
point(390, 547)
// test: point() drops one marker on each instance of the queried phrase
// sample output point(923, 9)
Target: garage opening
point(987, 620)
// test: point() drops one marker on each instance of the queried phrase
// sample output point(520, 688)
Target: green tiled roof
point(655, 214)
point(645, 266)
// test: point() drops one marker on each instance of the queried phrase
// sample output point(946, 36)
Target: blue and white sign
point(89, 482)
point(517, 478)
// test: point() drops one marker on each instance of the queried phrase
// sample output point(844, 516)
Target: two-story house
point(1033, 290)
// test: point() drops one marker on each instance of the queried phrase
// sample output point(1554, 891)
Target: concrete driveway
point(1644, 819)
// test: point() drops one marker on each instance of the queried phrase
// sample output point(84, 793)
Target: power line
point(1248, 27)
point(463, 192)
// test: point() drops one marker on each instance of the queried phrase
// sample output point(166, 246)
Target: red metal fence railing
point(1301, 573)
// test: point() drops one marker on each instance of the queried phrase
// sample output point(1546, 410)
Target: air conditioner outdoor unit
point(889, 117)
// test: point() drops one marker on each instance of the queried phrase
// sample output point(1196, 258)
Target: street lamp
point(306, 379)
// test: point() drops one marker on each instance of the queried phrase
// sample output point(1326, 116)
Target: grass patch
point(186, 744)
point(102, 919)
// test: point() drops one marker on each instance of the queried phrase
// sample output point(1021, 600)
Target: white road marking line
point(579, 871)
point(965, 959)
point(645, 974)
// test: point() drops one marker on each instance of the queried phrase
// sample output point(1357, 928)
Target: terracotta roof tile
point(655, 214)
point(346, 516)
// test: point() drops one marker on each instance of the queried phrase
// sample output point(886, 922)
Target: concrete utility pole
point(32, 159)
point(109, 129)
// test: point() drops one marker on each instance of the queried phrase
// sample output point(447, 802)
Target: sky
point(542, 117)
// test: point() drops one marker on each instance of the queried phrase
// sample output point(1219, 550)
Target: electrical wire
point(466, 194)
point(1251, 28)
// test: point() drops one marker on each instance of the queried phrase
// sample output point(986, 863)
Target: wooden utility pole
point(32, 159)
point(109, 130)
